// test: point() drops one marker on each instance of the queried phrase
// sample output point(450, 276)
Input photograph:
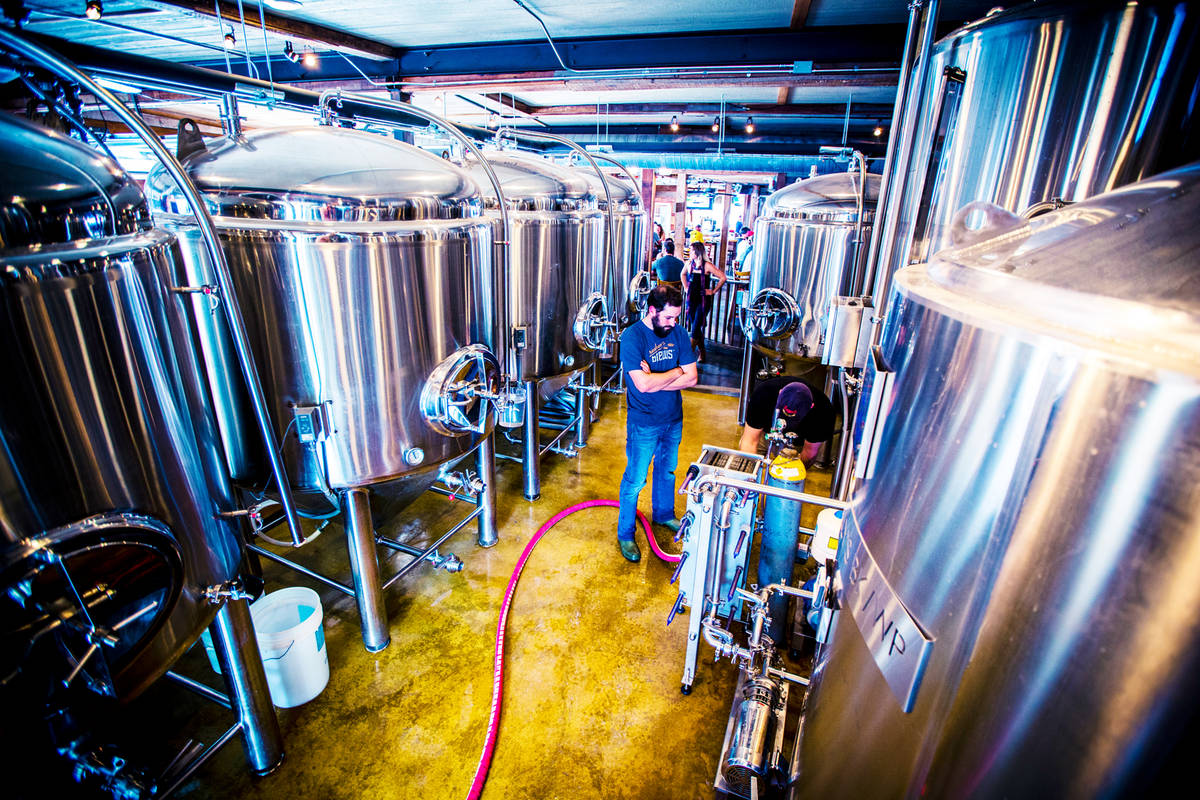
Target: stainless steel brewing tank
point(110, 468)
point(556, 271)
point(629, 235)
point(1019, 564)
point(1049, 100)
point(363, 269)
point(807, 251)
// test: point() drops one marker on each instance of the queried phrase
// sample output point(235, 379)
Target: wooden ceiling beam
point(800, 14)
point(287, 27)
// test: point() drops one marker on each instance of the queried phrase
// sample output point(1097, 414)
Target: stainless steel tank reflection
point(1044, 100)
point(806, 253)
point(1019, 564)
point(112, 480)
point(628, 220)
point(363, 267)
point(558, 283)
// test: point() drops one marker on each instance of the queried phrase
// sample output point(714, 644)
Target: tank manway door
point(593, 329)
point(460, 394)
point(772, 314)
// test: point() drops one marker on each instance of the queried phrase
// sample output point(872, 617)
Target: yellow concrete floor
point(592, 707)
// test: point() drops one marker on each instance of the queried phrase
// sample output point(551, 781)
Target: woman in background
point(697, 296)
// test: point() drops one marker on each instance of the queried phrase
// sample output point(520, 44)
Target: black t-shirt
point(815, 426)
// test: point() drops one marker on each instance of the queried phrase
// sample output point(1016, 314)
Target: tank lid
point(320, 174)
point(832, 197)
point(626, 195)
point(1118, 269)
point(54, 189)
point(533, 183)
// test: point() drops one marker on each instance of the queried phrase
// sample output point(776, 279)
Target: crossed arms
point(673, 379)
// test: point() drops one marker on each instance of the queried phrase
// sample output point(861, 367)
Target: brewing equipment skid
point(719, 531)
point(117, 548)
point(559, 310)
point(1018, 562)
point(364, 266)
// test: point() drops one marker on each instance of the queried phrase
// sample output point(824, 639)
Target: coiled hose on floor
point(485, 761)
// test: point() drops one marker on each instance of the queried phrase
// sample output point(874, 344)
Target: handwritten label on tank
point(899, 645)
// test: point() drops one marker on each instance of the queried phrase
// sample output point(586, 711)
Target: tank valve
point(448, 562)
point(229, 590)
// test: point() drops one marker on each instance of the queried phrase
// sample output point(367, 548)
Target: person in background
point(656, 244)
point(658, 363)
point(698, 296)
point(667, 267)
point(744, 247)
point(804, 410)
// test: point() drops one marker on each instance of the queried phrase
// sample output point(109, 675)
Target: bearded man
point(658, 361)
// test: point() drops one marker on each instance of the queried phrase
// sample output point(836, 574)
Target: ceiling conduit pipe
point(918, 44)
point(208, 232)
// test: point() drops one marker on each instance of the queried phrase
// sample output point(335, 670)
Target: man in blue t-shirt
point(658, 361)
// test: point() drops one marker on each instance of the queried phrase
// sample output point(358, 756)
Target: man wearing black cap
point(804, 410)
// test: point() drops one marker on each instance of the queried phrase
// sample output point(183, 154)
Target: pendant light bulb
point(674, 123)
point(749, 124)
point(94, 9)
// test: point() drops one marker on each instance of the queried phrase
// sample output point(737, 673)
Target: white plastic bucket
point(287, 624)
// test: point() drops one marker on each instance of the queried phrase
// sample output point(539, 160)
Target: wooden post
point(680, 212)
point(649, 184)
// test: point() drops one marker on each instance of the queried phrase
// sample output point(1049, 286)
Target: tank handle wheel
point(772, 314)
point(459, 396)
point(593, 328)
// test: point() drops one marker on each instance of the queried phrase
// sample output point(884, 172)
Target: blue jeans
point(643, 444)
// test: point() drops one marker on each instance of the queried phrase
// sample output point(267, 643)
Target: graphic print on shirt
point(661, 352)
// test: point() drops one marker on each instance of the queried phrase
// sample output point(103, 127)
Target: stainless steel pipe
point(531, 451)
point(485, 465)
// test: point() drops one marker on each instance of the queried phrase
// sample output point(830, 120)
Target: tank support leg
point(532, 455)
point(485, 456)
point(241, 666)
point(744, 396)
point(583, 427)
point(364, 565)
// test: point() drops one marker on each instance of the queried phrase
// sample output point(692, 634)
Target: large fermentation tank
point(810, 246)
point(1018, 567)
point(114, 555)
point(110, 471)
point(363, 268)
point(558, 283)
point(628, 220)
point(1047, 100)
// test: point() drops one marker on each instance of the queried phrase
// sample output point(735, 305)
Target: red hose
point(485, 761)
